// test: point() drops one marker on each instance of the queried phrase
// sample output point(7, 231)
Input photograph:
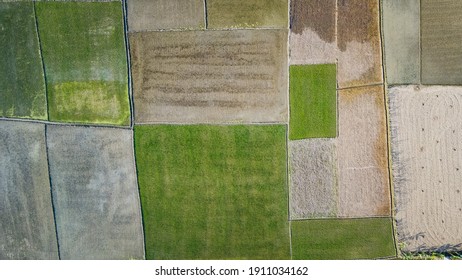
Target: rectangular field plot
point(85, 61)
point(333, 239)
point(145, 15)
point(364, 189)
point(27, 229)
point(95, 193)
point(313, 178)
point(22, 84)
point(427, 166)
point(237, 76)
point(313, 101)
point(247, 13)
point(213, 192)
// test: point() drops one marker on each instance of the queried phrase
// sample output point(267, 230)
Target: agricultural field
point(313, 101)
point(364, 188)
point(95, 193)
point(224, 14)
point(148, 15)
point(313, 178)
point(193, 77)
point(22, 82)
point(85, 61)
point(27, 229)
point(342, 239)
point(209, 192)
point(427, 156)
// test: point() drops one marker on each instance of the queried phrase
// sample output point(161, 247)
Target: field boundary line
point(388, 130)
point(65, 124)
point(128, 60)
point(364, 86)
point(206, 20)
point(53, 208)
point(207, 30)
point(139, 192)
point(340, 218)
point(41, 58)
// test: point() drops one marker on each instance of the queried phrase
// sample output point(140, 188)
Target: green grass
point(213, 192)
point(85, 61)
point(22, 84)
point(342, 239)
point(313, 101)
point(247, 13)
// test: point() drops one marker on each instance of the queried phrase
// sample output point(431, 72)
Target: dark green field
point(22, 84)
point(342, 239)
point(85, 61)
point(213, 192)
point(313, 101)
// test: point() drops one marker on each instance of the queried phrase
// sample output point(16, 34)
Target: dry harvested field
point(95, 193)
point(427, 158)
point(346, 31)
point(313, 178)
point(146, 15)
point(27, 229)
point(364, 189)
point(210, 76)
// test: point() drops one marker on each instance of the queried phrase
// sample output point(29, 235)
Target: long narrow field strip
point(247, 13)
point(27, 229)
point(22, 83)
point(364, 188)
point(313, 101)
point(213, 192)
point(85, 61)
point(401, 28)
point(427, 166)
point(237, 76)
point(148, 15)
point(333, 239)
point(95, 193)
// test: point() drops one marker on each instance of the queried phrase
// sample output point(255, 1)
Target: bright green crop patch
point(22, 84)
point(85, 61)
point(213, 192)
point(313, 101)
point(342, 239)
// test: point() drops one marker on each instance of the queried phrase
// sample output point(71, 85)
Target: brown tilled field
point(427, 157)
point(210, 77)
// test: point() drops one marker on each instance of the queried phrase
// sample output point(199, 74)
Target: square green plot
point(22, 83)
point(213, 192)
point(340, 239)
point(313, 101)
point(85, 61)
point(247, 13)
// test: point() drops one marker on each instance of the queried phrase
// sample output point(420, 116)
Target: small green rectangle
point(22, 83)
point(85, 61)
point(313, 101)
point(213, 192)
point(342, 239)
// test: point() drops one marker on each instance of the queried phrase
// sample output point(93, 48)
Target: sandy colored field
point(165, 14)
point(95, 193)
point(210, 76)
point(364, 189)
point(401, 28)
point(313, 178)
point(356, 46)
point(427, 166)
point(27, 229)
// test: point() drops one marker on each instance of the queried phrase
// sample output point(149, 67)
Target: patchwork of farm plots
point(171, 129)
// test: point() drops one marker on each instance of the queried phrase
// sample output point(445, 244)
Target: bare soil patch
point(427, 166)
point(364, 189)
